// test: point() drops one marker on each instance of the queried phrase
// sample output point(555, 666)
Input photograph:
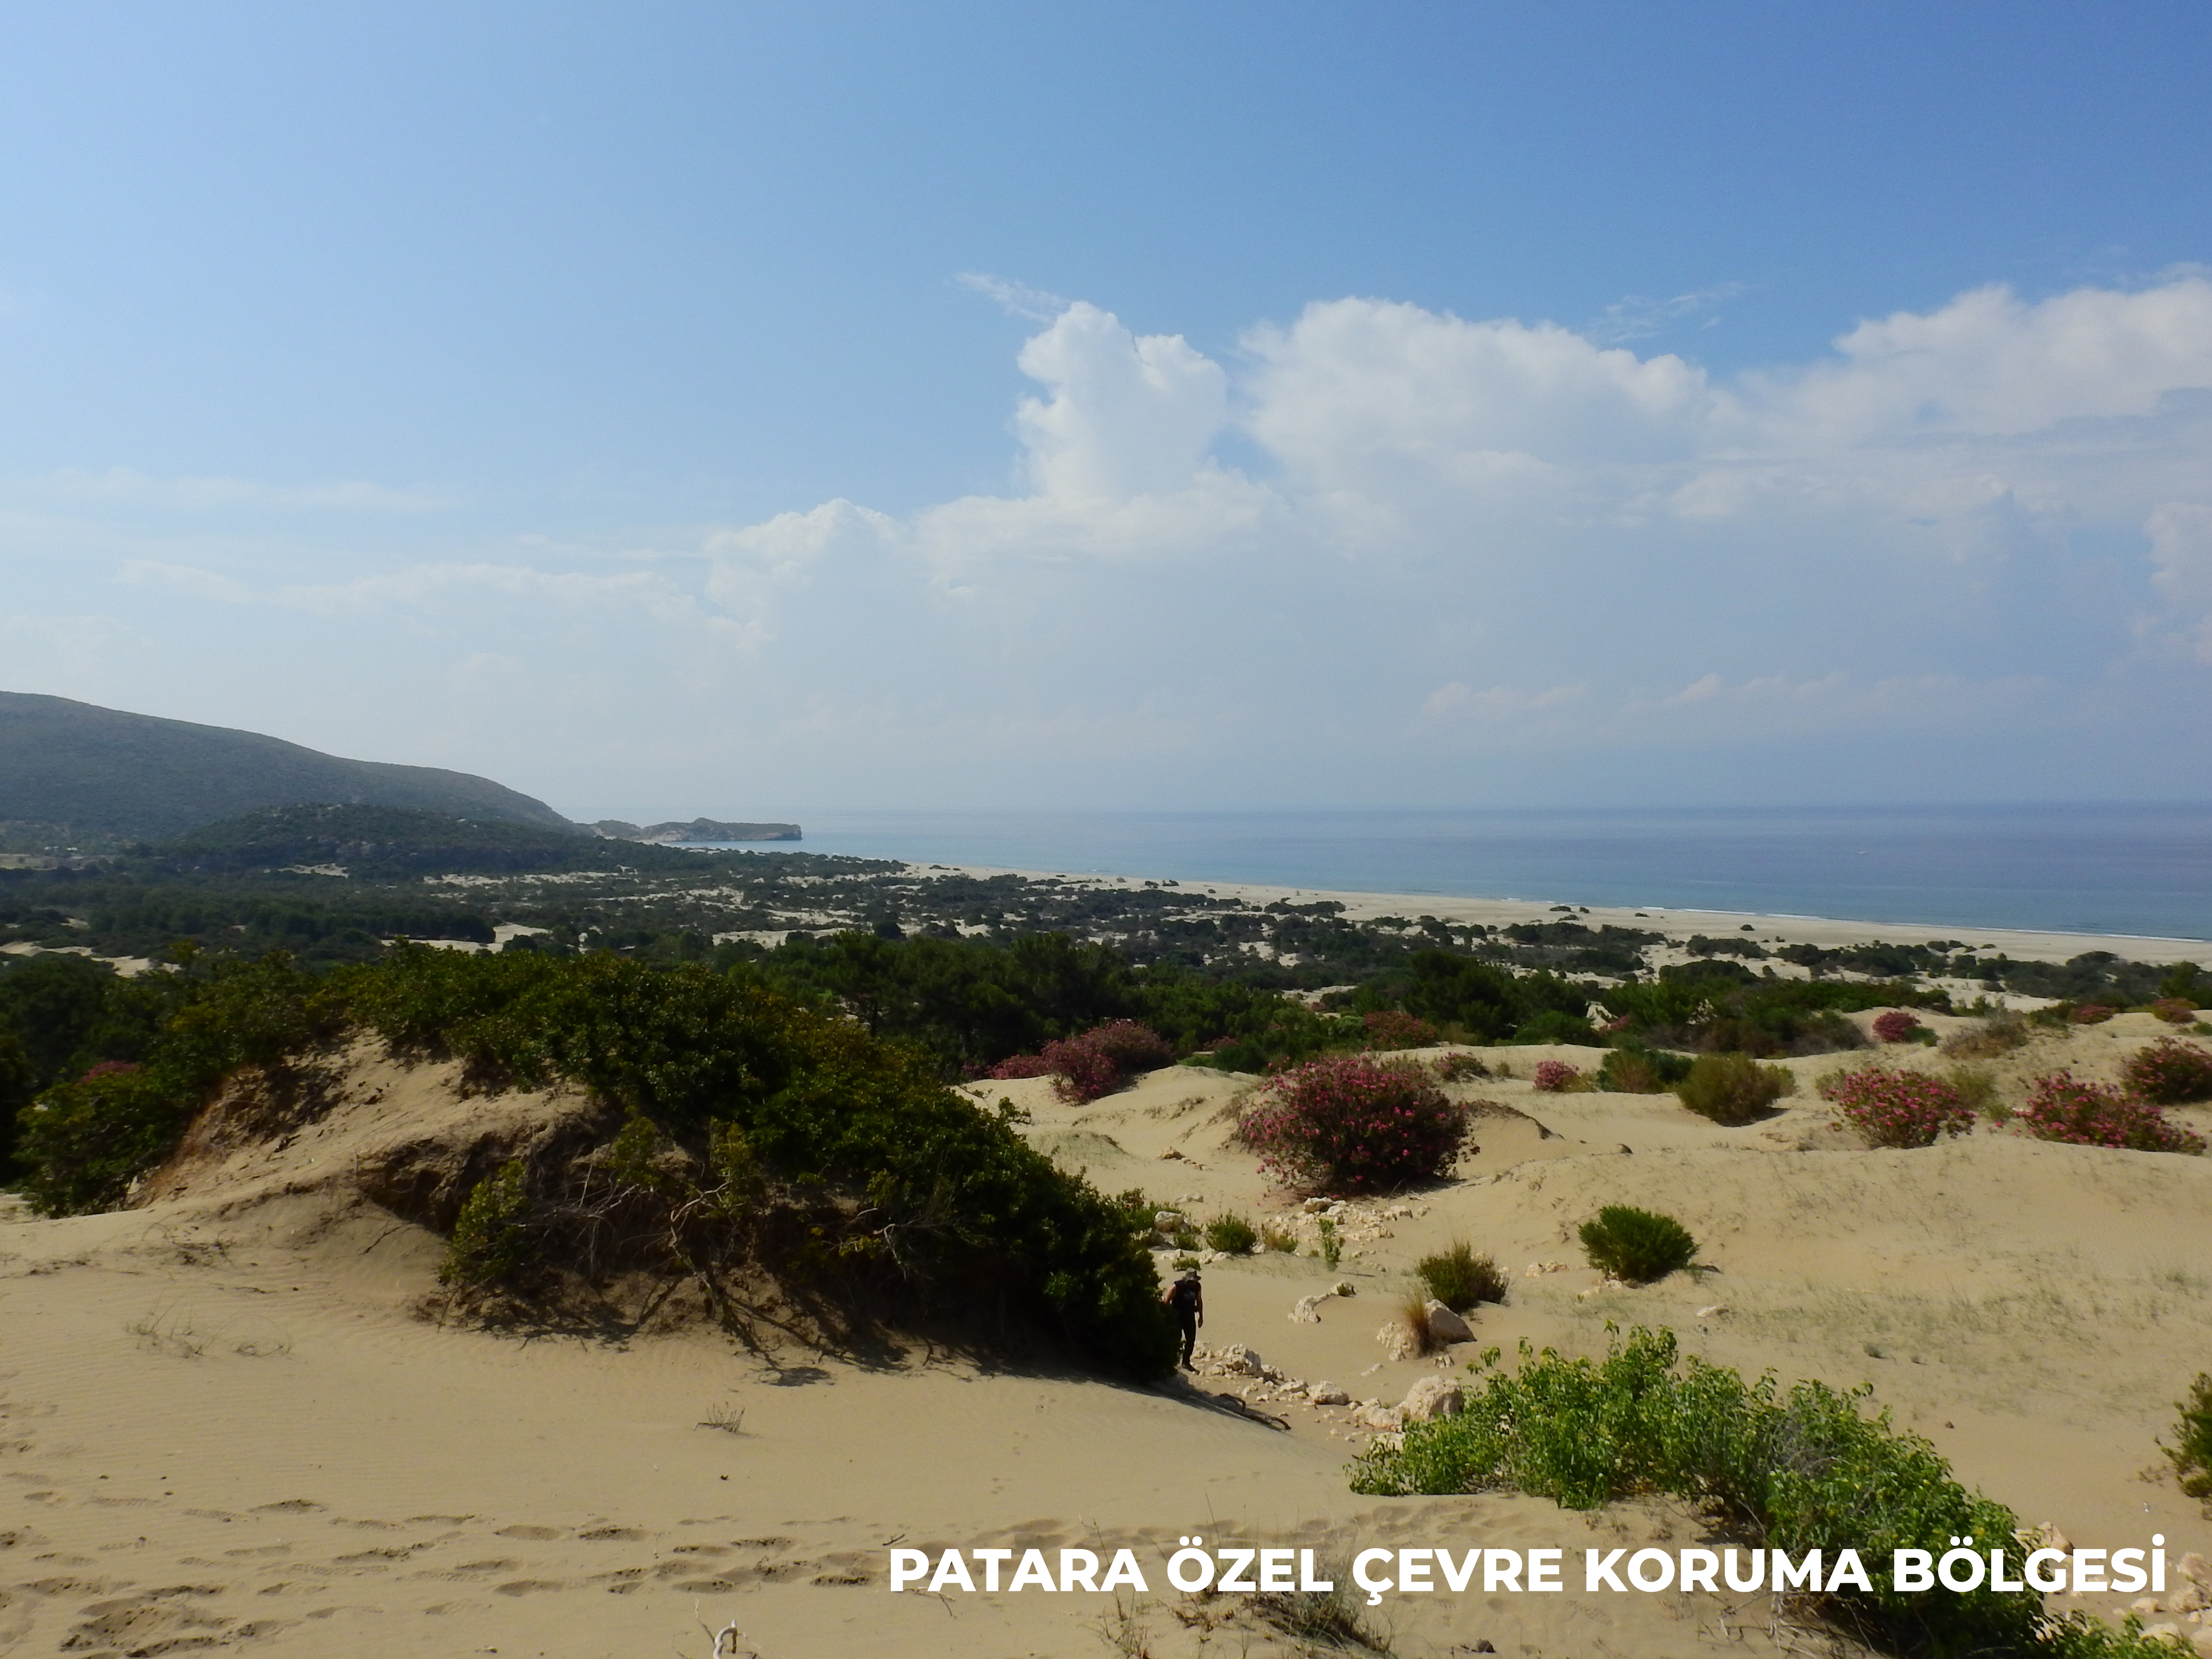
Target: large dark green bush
point(1636, 1246)
point(1801, 1470)
point(1732, 1089)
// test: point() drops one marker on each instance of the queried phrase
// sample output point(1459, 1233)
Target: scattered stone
point(1328, 1393)
point(1241, 1360)
point(1166, 1221)
point(1537, 1269)
point(1431, 1398)
point(1173, 1151)
point(2195, 1569)
point(1444, 1325)
point(1398, 1341)
point(1717, 1308)
point(1306, 1310)
point(1318, 1206)
point(1385, 1420)
point(1625, 1148)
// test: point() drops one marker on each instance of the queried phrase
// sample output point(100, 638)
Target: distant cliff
point(696, 830)
point(69, 770)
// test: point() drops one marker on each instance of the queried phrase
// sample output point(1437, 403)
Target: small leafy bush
point(2171, 1072)
point(1555, 1076)
point(1898, 1109)
point(1392, 1028)
point(1460, 1278)
point(1460, 1067)
point(1733, 1089)
point(1633, 1069)
point(2089, 1013)
point(1795, 1472)
point(1636, 1246)
point(1897, 1026)
point(490, 1242)
point(2060, 1108)
point(2174, 1010)
point(1977, 1089)
point(1231, 1235)
point(2191, 1451)
point(2000, 1034)
point(1349, 1123)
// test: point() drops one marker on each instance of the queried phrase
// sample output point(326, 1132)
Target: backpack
point(1182, 1295)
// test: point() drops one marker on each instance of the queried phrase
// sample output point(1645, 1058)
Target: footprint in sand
point(527, 1531)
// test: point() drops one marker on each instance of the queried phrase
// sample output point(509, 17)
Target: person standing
point(1186, 1300)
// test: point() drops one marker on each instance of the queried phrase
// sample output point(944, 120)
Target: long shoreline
point(2028, 944)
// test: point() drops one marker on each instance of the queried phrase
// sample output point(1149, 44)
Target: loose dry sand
point(224, 1421)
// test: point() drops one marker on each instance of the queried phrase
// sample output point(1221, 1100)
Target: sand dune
point(225, 1421)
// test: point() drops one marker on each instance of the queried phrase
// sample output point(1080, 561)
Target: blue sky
point(758, 409)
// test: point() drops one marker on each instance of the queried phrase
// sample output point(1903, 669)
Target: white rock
point(1431, 1398)
point(1444, 1325)
point(1306, 1310)
point(1397, 1339)
point(1166, 1221)
point(2165, 1633)
point(1385, 1418)
point(1717, 1308)
point(1328, 1393)
point(1317, 1206)
point(2187, 1596)
point(1241, 1360)
point(2195, 1569)
point(2201, 1641)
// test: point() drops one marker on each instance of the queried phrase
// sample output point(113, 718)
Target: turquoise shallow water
point(2109, 869)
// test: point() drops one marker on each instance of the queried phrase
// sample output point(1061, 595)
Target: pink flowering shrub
point(2098, 1115)
point(2174, 1010)
point(1351, 1123)
point(1392, 1028)
point(109, 1068)
point(1898, 1109)
point(2089, 1013)
point(1554, 1076)
point(1095, 1063)
point(1896, 1026)
point(2171, 1072)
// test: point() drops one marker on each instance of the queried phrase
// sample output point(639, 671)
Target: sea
point(2134, 870)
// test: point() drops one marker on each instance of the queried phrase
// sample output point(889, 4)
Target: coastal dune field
point(233, 1416)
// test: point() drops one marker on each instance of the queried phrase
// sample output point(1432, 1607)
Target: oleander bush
point(1637, 1247)
point(1733, 1089)
point(2089, 1013)
point(1351, 1123)
point(1555, 1076)
point(2060, 1107)
point(2170, 1072)
point(1460, 1278)
point(1797, 1472)
point(1897, 1026)
point(1899, 1108)
point(1092, 1063)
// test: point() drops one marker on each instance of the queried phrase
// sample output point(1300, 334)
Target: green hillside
point(386, 841)
point(71, 772)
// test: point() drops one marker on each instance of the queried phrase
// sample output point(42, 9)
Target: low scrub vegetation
point(1898, 1026)
point(745, 1135)
point(1797, 1472)
point(1633, 1069)
point(1231, 1235)
point(1732, 1089)
point(1999, 1034)
point(1461, 1068)
point(2062, 1108)
point(1899, 1108)
point(1460, 1278)
point(2191, 1454)
point(1351, 1124)
point(1637, 1247)
point(1556, 1076)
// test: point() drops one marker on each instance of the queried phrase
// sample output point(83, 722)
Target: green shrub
point(1231, 1235)
point(1460, 1278)
point(1978, 1091)
point(1633, 1069)
point(489, 1241)
point(1278, 1238)
point(1637, 1246)
point(1732, 1089)
point(86, 1141)
point(1799, 1472)
point(2191, 1451)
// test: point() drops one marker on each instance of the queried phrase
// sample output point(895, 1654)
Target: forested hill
point(391, 842)
point(101, 775)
